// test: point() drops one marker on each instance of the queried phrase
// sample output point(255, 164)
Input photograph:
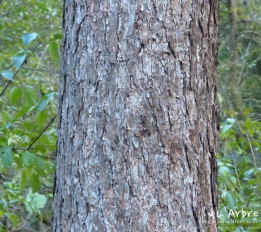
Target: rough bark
point(138, 129)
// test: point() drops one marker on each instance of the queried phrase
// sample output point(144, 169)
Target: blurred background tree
point(239, 100)
point(32, 28)
point(240, 58)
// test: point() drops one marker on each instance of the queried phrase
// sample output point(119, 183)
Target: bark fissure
point(196, 219)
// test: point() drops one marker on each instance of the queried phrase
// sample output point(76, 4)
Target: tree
point(239, 56)
point(138, 130)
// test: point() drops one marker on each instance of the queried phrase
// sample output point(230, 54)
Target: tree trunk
point(138, 129)
point(234, 78)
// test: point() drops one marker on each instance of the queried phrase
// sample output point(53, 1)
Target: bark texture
point(138, 129)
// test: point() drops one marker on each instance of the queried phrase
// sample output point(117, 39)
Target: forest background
point(30, 41)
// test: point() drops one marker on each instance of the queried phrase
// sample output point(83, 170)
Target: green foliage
point(7, 157)
point(239, 174)
point(28, 38)
point(7, 74)
point(28, 87)
point(240, 58)
point(23, 146)
point(54, 51)
point(239, 99)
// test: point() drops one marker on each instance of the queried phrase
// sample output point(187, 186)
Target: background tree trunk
point(138, 129)
point(234, 79)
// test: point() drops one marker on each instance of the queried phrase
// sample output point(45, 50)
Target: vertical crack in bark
point(154, 6)
point(187, 158)
point(77, 34)
point(213, 183)
point(190, 39)
point(200, 27)
point(195, 218)
point(171, 50)
point(170, 123)
point(157, 126)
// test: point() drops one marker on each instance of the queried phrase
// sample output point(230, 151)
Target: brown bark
point(138, 129)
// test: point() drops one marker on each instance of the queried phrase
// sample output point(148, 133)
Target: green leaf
point(39, 162)
point(28, 38)
point(226, 127)
point(15, 94)
point(54, 51)
point(29, 96)
point(28, 208)
point(39, 166)
point(42, 147)
point(7, 74)
point(5, 117)
point(39, 201)
point(40, 172)
point(28, 125)
point(45, 102)
point(250, 131)
point(21, 112)
point(247, 123)
point(41, 118)
point(23, 181)
point(14, 219)
point(28, 158)
point(231, 120)
point(18, 61)
point(7, 157)
point(19, 162)
point(248, 173)
point(2, 212)
point(219, 97)
point(230, 200)
point(35, 182)
point(29, 100)
point(40, 215)
point(7, 125)
point(57, 35)
point(252, 182)
point(223, 171)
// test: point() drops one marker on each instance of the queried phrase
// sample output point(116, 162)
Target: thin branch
point(243, 65)
point(235, 167)
point(248, 31)
point(36, 69)
point(254, 160)
point(243, 99)
point(41, 133)
point(45, 157)
point(9, 82)
point(40, 60)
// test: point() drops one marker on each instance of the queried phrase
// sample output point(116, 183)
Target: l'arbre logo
point(242, 213)
point(233, 213)
point(212, 214)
